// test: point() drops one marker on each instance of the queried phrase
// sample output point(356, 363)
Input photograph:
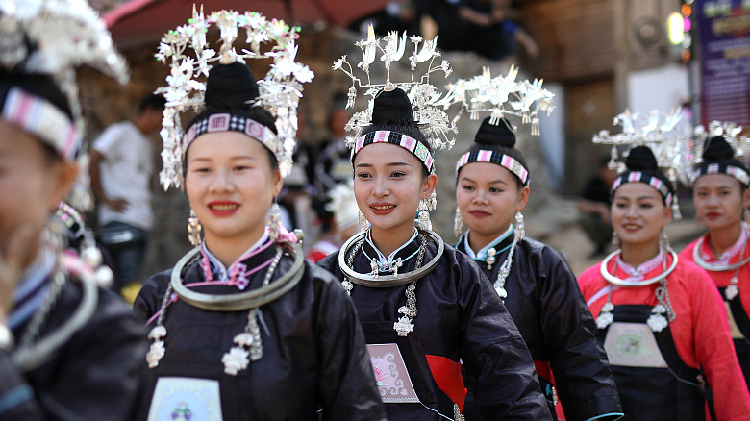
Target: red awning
point(137, 22)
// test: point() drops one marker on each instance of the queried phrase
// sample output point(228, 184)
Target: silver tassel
point(518, 226)
point(273, 222)
point(423, 216)
point(194, 229)
point(362, 221)
point(458, 223)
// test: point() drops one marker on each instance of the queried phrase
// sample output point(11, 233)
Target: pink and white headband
point(40, 118)
point(407, 142)
point(508, 162)
point(640, 177)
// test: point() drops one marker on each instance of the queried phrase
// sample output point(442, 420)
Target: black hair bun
point(641, 158)
point(497, 135)
point(392, 108)
point(717, 149)
point(230, 87)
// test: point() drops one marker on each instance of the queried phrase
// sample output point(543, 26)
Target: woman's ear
point(277, 182)
point(62, 176)
point(667, 216)
point(429, 185)
point(523, 198)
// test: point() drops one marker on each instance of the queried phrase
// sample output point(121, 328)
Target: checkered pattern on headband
point(227, 122)
point(39, 117)
point(495, 157)
point(718, 168)
point(407, 142)
point(640, 177)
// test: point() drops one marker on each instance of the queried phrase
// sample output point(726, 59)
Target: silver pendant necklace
point(657, 321)
point(404, 325)
point(732, 290)
point(249, 346)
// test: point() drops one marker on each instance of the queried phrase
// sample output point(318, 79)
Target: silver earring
point(458, 223)
point(615, 239)
point(518, 226)
point(664, 243)
point(423, 215)
point(362, 221)
point(194, 229)
point(273, 222)
point(676, 214)
point(432, 201)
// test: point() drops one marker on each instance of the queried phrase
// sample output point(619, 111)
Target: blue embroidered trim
point(15, 397)
point(610, 414)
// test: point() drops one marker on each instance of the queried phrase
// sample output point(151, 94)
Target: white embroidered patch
point(183, 398)
point(633, 345)
point(391, 374)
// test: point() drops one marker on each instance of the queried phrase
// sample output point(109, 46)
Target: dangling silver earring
point(423, 213)
point(615, 239)
point(518, 226)
point(458, 223)
point(664, 243)
point(432, 201)
point(362, 221)
point(676, 214)
point(194, 229)
point(273, 221)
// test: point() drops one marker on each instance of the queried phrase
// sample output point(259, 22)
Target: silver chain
point(40, 316)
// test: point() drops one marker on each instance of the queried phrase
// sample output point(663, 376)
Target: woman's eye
point(620, 205)
point(646, 206)
point(363, 175)
point(202, 169)
point(241, 167)
point(495, 190)
point(468, 188)
point(398, 174)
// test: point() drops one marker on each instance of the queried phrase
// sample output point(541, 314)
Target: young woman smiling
point(243, 328)
point(720, 195)
point(660, 317)
point(533, 279)
point(424, 307)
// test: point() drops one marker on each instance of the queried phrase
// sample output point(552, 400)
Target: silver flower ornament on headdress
point(503, 95)
point(661, 132)
point(67, 33)
point(425, 98)
point(280, 89)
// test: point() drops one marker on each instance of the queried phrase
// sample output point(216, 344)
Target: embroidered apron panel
point(390, 371)
point(667, 389)
point(633, 345)
point(183, 398)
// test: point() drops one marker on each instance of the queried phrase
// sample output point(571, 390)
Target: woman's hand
point(12, 253)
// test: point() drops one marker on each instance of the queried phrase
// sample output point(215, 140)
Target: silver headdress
point(280, 89)
point(502, 95)
point(67, 33)
point(731, 132)
point(660, 132)
point(51, 38)
point(426, 101)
